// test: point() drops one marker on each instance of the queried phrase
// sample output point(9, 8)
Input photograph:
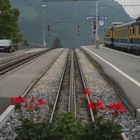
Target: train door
point(130, 38)
point(112, 37)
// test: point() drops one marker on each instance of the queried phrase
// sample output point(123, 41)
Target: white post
point(97, 25)
point(43, 25)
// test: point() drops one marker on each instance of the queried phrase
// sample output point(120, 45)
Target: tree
point(57, 43)
point(9, 28)
point(138, 19)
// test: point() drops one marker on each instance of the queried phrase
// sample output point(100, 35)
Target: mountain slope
point(64, 18)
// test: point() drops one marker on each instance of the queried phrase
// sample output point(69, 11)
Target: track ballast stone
point(102, 90)
point(46, 89)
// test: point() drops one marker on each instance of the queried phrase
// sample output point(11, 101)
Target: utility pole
point(92, 33)
point(97, 25)
point(43, 25)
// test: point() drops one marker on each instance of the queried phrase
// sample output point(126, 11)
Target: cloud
point(133, 11)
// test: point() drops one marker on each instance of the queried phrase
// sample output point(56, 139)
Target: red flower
point(32, 99)
point(18, 99)
point(123, 111)
point(111, 107)
point(91, 106)
point(26, 105)
point(117, 107)
point(87, 91)
point(41, 101)
point(99, 105)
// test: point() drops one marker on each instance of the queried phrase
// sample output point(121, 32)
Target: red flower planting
point(26, 105)
point(41, 102)
point(32, 104)
point(87, 91)
point(117, 107)
point(17, 101)
point(91, 106)
point(98, 105)
point(32, 100)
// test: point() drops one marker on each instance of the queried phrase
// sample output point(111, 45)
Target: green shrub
point(66, 127)
point(29, 130)
point(103, 130)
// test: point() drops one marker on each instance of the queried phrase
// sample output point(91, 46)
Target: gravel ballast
point(46, 89)
point(102, 90)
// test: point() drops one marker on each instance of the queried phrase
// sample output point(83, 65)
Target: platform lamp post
point(43, 25)
point(97, 25)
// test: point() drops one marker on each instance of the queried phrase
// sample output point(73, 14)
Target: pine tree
point(9, 28)
point(57, 43)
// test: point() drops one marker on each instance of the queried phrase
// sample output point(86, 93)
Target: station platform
point(123, 69)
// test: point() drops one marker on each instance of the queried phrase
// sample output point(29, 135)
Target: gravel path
point(46, 89)
point(102, 90)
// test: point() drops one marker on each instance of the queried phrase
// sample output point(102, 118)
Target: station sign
point(93, 18)
point(101, 22)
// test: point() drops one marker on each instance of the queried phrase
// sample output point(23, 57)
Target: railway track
point(13, 62)
point(74, 86)
point(70, 90)
point(8, 110)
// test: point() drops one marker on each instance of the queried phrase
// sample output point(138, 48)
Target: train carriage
point(120, 36)
point(135, 38)
point(109, 37)
point(125, 36)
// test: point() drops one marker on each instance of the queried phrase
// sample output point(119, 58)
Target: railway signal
point(48, 29)
point(78, 27)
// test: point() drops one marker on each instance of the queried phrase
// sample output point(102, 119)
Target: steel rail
point(84, 85)
point(124, 136)
point(11, 108)
point(15, 62)
point(72, 96)
point(59, 88)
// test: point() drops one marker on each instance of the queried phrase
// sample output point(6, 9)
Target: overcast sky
point(133, 11)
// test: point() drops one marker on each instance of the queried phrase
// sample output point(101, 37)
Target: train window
point(133, 30)
point(139, 29)
point(130, 32)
